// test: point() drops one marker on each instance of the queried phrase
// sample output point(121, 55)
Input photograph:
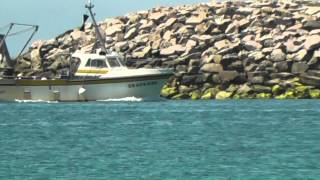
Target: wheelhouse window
point(114, 62)
point(97, 63)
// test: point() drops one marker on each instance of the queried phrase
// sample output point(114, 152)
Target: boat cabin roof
point(98, 61)
point(94, 56)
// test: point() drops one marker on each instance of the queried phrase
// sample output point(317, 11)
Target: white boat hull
point(77, 90)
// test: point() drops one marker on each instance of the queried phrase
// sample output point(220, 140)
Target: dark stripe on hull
point(70, 82)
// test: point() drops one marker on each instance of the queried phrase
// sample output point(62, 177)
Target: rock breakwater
point(218, 50)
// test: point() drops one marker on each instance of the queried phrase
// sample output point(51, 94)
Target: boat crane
point(11, 26)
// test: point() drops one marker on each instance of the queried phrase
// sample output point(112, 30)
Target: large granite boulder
point(212, 68)
point(312, 42)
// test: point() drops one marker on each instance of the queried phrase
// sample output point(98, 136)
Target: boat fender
point(82, 91)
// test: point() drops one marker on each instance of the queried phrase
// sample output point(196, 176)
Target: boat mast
point(90, 6)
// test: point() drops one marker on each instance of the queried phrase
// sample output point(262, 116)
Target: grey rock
point(36, 59)
point(313, 73)
point(144, 53)
point(216, 79)
point(157, 16)
point(232, 29)
point(222, 44)
point(315, 58)
point(252, 45)
point(185, 89)
point(204, 27)
point(175, 49)
point(282, 75)
point(244, 89)
point(245, 11)
point(207, 77)
point(228, 59)
point(181, 69)
point(121, 46)
point(310, 80)
point(111, 31)
point(228, 76)
point(188, 79)
point(312, 42)
point(292, 46)
point(233, 48)
point(193, 69)
point(277, 55)
point(311, 25)
point(194, 62)
point(314, 32)
point(195, 20)
point(253, 77)
point(299, 67)
point(190, 46)
point(301, 55)
point(22, 65)
point(250, 67)
point(281, 66)
point(311, 10)
point(236, 65)
point(257, 80)
point(170, 21)
point(203, 78)
point(147, 25)
point(257, 55)
point(261, 89)
point(268, 43)
point(222, 23)
point(212, 68)
point(131, 33)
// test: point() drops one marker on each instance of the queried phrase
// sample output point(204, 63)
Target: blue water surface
point(165, 140)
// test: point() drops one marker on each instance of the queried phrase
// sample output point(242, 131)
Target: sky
point(57, 16)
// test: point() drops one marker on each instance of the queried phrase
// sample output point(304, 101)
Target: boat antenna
point(90, 6)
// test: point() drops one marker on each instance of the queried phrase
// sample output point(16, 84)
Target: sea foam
point(34, 101)
point(129, 99)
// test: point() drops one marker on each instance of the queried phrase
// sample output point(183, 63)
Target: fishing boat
point(98, 76)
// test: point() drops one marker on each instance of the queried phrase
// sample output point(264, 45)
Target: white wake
point(126, 99)
point(34, 101)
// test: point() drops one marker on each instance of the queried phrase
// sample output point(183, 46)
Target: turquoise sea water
point(165, 140)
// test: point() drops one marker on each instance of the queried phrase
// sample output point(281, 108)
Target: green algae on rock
point(222, 95)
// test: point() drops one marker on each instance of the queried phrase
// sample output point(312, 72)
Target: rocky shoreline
point(229, 50)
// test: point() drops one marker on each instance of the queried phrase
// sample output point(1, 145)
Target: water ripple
point(181, 140)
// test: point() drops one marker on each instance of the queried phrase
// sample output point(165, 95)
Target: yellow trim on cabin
point(92, 71)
